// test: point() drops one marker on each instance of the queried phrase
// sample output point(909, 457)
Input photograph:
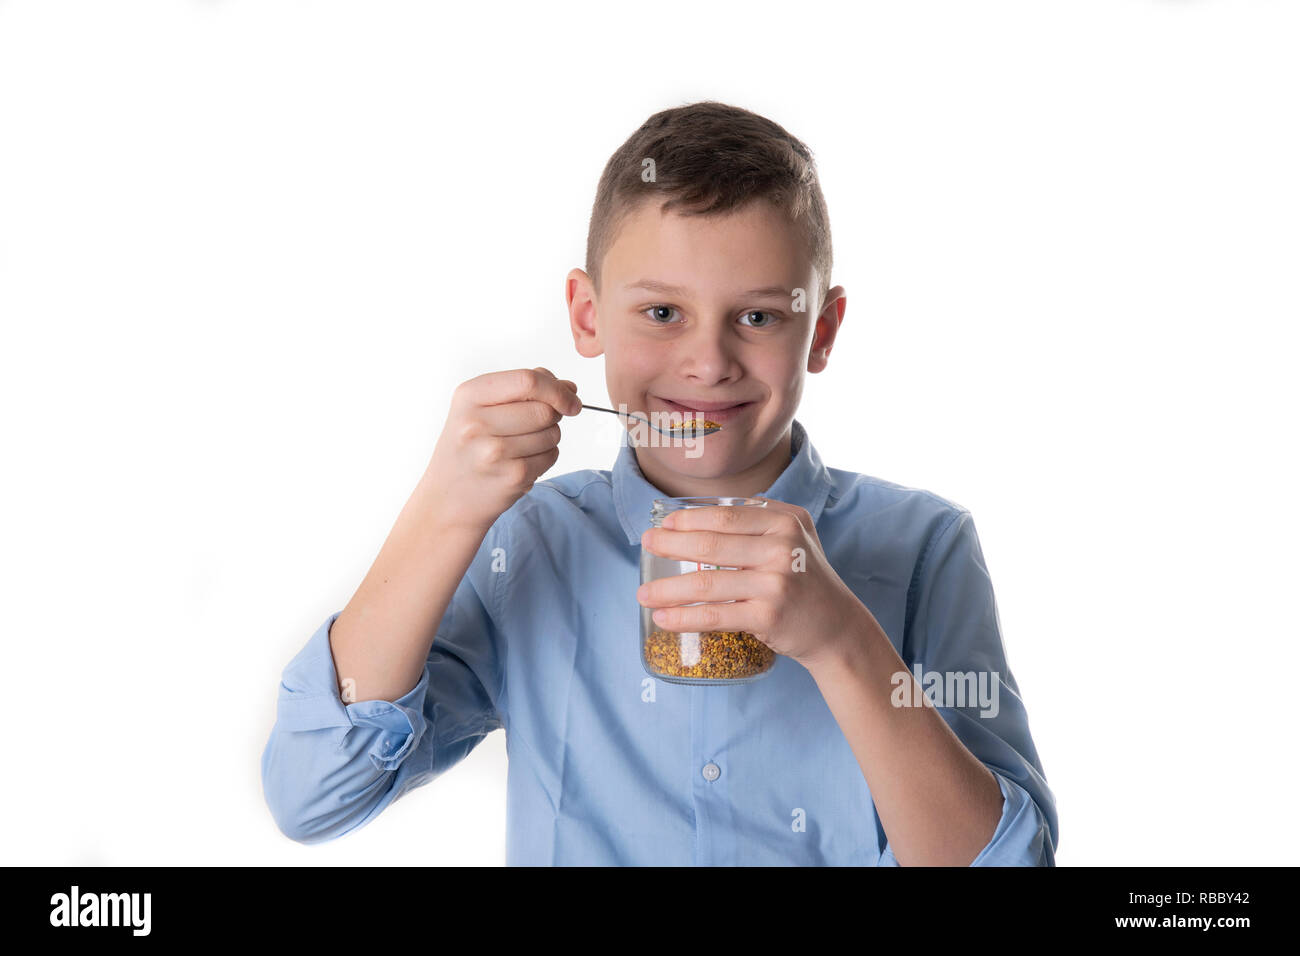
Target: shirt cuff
point(1021, 837)
point(309, 700)
point(403, 719)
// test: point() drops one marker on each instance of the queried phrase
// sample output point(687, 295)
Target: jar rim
point(660, 505)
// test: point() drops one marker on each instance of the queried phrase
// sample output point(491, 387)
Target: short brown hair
point(711, 158)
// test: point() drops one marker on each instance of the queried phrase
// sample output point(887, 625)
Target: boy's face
point(696, 311)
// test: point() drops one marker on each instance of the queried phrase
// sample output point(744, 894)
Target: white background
point(247, 250)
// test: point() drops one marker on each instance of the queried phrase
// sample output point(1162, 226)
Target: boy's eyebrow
point(651, 285)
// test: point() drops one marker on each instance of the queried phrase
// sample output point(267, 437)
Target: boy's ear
point(580, 299)
point(828, 323)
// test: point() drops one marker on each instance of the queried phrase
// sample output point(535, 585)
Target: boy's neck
point(746, 484)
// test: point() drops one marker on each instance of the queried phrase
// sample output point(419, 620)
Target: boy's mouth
point(713, 411)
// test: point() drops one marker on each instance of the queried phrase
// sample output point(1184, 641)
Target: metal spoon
point(686, 431)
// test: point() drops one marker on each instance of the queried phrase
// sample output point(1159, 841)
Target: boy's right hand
point(501, 435)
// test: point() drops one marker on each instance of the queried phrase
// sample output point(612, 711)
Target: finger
point(573, 387)
point(531, 445)
point(740, 616)
point(521, 385)
point(714, 585)
point(728, 518)
point(727, 548)
point(798, 512)
point(540, 463)
point(561, 394)
point(517, 418)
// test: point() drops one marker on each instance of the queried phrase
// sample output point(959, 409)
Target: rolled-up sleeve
point(331, 767)
point(955, 630)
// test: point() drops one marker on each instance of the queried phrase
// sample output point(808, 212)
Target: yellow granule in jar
point(723, 655)
point(695, 423)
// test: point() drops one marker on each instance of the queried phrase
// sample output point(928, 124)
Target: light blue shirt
point(608, 766)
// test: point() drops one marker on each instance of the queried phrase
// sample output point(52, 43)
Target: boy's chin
point(703, 457)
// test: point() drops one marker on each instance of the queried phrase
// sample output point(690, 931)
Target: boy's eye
point(769, 316)
point(661, 312)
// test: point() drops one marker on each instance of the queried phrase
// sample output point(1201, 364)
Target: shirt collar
point(805, 482)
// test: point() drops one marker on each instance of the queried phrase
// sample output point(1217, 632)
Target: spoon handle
point(614, 411)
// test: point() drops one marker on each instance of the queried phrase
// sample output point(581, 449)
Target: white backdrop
point(247, 250)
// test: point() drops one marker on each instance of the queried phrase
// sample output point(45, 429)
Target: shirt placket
point(712, 776)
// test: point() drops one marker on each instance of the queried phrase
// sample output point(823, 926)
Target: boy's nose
point(710, 365)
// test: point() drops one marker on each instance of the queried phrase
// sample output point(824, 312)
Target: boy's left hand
point(787, 594)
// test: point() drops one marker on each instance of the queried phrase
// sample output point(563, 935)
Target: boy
point(497, 602)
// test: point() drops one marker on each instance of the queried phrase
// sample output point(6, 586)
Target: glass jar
point(688, 657)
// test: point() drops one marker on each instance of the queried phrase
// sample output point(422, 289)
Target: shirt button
point(711, 771)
